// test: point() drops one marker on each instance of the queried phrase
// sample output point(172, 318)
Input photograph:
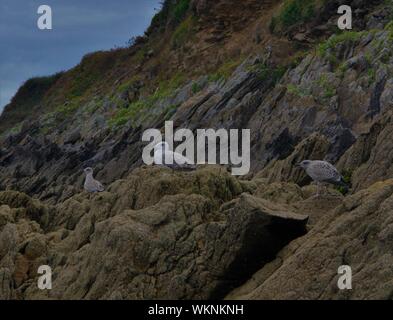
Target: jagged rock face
point(357, 233)
point(144, 244)
point(370, 158)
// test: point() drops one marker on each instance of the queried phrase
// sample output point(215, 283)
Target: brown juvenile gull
point(92, 185)
point(179, 161)
point(322, 172)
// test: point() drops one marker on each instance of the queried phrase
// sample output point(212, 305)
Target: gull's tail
point(340, 183)
point(188, 167)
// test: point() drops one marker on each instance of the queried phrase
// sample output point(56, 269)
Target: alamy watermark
point(345, 21)
point(44, 22)
point(45, 281)
point(225, 147)
point(345, 279)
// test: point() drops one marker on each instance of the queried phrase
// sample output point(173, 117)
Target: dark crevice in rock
point(375, 102)
point(264, 238)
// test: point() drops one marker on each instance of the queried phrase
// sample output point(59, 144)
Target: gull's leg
point(318, 189)
point(325, 189)
point(317, 194)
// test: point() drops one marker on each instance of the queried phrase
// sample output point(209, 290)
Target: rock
point(6, 284)
point(73, 137)
point(21, 270)
point(29, 208)
point(177, 273)
point(370, 159)
point(35, 248)
point(5, 215)
point(195, 242)
point(314, 147)
point(355, 233)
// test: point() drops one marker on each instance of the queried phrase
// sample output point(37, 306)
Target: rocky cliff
point(305, 89)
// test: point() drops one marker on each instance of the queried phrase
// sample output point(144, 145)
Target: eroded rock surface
point(175, 236)
point(357, 233)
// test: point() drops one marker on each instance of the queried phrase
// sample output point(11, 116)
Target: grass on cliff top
point(170, 10)
point(180, 10)
point(33, 90)
point(27, 100)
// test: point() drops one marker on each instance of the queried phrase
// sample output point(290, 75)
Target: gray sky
point(79, 27)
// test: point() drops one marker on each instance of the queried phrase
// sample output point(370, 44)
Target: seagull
point(322, 172)
point(179, 161)
point(92, 185)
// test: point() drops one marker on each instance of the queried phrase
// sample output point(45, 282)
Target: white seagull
point(322, 172)
point(179, 161)
point(92, 185)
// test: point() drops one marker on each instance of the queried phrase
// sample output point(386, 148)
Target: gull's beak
point(298, 165)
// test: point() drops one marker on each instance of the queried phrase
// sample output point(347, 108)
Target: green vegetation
point(347, 177)
point(141, 109)
point(183, 32)
point(278, 73)
point(368, 58)
point(14, 130)
point(140, 55)
point(33, 90)
point(161, 17)
point(389, 28)
point(297, 59)
point(225, 71)
point(196, 88)
point(297, 91)
point(128, 84)
point(329, 90)
point(335, 40)
point(68, 109)
point(174, 11)
point(273, 24)
point(293, 12)
point(341, 69)
point(82, 81)
point(327, 49)
point(372, 74)
point(26, 101)
point(126, 114)
point(269, 73)
point(180, 10)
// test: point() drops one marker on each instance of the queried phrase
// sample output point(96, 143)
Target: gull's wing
point(326, 171)
point(99, 186)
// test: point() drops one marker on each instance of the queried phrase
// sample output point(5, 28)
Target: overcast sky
point(79, 27)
